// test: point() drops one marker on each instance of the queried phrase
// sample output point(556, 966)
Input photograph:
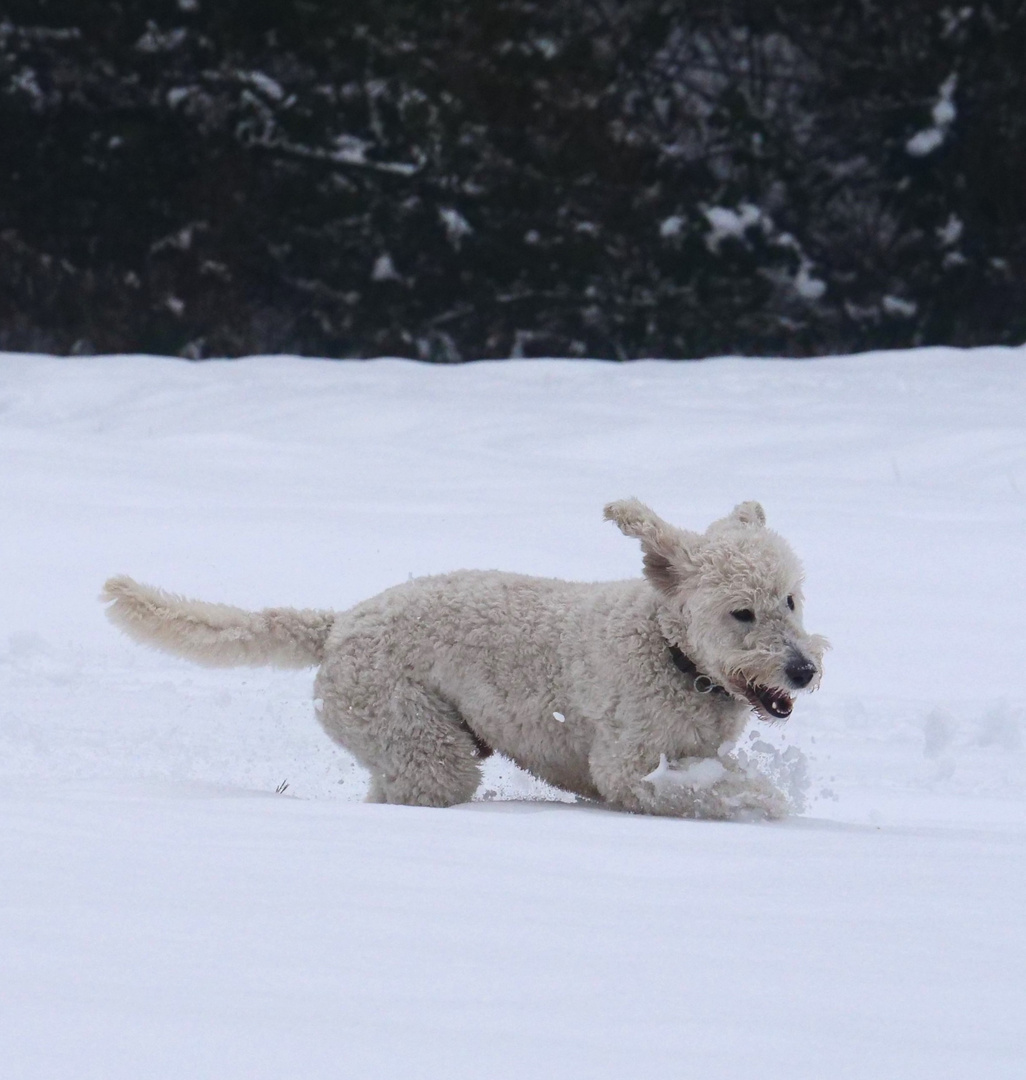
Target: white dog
point(631, 692)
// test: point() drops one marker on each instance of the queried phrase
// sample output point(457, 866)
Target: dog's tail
point(217, 635)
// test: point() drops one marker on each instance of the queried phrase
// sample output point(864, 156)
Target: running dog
point(629, 692)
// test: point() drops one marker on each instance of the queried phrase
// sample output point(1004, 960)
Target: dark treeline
point(452, 180)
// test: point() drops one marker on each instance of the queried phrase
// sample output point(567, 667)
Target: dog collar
point(700, 683)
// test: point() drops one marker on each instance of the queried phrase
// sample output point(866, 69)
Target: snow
point(177, 94)
point(727, 224)
point(944, 111)
point(943, 114)
point(811, 288)
point(674, 225)
point(951, 231)
point(925, 141)
point(164, 913)
point(384, 269)
point(161, 41)
point(895, 305)
point(695, 773)
point(456, 225)
point(268, 86)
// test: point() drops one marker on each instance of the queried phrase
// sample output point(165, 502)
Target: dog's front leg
point(714, 787)
point(621, 766)
point(632, 776)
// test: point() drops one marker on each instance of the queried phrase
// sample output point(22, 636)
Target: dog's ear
point(667, 549)
point(748, 513)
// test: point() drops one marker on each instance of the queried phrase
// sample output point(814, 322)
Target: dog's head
point(731, 599)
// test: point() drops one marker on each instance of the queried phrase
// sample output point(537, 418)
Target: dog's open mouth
point(772, 703)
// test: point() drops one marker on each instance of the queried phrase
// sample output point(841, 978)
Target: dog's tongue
point(775, 704)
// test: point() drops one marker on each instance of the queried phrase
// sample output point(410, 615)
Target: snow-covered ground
point(165, 914)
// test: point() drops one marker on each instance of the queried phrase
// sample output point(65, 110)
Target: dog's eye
point(790, 602)
point(744, 615)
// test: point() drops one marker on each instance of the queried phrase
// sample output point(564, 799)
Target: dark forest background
point(452, 180)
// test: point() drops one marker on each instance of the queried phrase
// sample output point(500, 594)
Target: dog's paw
point(758, 800)
point(710, 788)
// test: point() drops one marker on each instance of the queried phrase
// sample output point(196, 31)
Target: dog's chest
point(694, 724)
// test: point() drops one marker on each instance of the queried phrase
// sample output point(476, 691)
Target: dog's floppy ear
point(667, 549)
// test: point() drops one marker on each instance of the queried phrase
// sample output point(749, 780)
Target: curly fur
point(574, 682)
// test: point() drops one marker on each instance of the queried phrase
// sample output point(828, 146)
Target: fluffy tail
point(217, 635)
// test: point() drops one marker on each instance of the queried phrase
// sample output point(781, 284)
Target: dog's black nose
point(800, 671)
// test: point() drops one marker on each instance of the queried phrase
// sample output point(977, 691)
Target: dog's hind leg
point(416, 745)
point(428, 755)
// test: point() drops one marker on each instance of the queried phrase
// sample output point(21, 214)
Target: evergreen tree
point(613, 178)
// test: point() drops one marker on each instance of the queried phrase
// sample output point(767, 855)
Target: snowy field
point(164, 913)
